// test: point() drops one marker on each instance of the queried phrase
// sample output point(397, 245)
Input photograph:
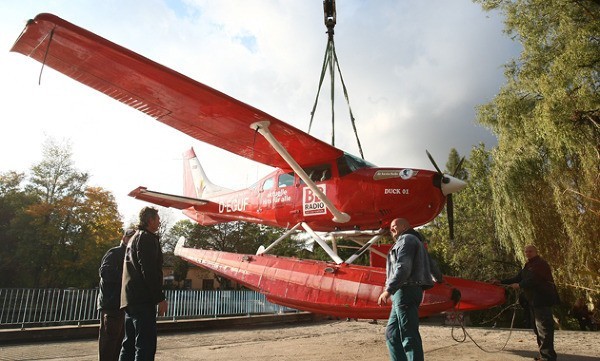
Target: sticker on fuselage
point(405, 174)
point(275, 197)
point(312, 205)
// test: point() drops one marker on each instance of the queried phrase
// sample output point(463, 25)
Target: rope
point(466, 333)
point(46, 55)
point(352, 120)
point(331, 61)
point(323, 70)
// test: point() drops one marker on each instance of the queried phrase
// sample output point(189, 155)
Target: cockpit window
point(349, 163)
point(319, 173)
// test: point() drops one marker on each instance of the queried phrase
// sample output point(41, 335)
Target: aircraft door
point(265, 199)
point(284, 200)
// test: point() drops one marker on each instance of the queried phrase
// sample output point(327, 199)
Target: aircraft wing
point(166, 95)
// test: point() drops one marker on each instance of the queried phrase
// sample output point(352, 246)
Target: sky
point(415, 72)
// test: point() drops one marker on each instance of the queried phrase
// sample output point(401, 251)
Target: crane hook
point(329, 16)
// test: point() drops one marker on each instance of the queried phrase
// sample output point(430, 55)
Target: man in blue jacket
point(112, 318)
point(409, 271)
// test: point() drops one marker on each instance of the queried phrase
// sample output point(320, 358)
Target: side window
point(268, 184)
point(285, 180)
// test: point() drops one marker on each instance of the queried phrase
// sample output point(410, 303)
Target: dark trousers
point(110, 334)
point(140, 333)
point(543, 326)
point(402, 332)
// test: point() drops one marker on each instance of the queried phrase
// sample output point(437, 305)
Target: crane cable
point(331, 62)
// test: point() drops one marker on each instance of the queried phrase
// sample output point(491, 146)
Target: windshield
point(349, 163)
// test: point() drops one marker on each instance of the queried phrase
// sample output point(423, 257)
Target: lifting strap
point(331, 62)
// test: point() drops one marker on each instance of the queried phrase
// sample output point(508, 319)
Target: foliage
point(238, 237)
point(54, 228)
point(13, 203)
point(545, 179)
point(475, 253)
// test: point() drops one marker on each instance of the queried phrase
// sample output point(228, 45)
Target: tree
point(99, 228)
point(13, 202)
point(545, 179)
point(59, 228)
point(475, 253)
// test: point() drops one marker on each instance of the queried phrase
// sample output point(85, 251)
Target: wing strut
point(334, 256)
point(263, 128)
point(365, 247)
point(262, 250)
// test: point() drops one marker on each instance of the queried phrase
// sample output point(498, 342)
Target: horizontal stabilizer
point(166, 200)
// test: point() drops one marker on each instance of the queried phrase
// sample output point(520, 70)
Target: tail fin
point(195, 182)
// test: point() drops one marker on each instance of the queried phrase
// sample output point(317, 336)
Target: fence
point(24, 307)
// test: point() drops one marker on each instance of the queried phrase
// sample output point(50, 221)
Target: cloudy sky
point(415, 71)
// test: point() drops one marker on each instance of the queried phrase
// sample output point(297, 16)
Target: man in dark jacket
point(537, 284)
point(409, 272)
point(109, 301)
point(141, 290)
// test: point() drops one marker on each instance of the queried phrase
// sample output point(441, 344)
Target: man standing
point(537, 283)
point(408, 274)
point(109, 301)
point(142, 289)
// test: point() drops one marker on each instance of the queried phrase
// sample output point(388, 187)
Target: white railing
point(27, 307)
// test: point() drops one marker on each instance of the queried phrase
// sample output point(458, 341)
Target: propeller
point(447, 180)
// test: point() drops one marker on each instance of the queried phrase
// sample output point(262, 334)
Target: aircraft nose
point(451, 184)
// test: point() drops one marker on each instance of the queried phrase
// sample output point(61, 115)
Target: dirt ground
point(331, 341)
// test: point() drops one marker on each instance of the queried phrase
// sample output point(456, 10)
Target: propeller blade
point(450, 213)
point(433, 161)
point(458, 166)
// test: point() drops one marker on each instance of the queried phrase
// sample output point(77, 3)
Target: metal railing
point(27, 307)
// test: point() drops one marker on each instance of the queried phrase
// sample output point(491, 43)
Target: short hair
point(146, 214)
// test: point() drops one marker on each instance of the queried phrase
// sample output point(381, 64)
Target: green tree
point(475, 252)
point(13, 202)
point(545, 179)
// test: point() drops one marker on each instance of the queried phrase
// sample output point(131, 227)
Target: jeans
point(110, 334)
point(543, 327)
point(402, 332)
point(140, 333)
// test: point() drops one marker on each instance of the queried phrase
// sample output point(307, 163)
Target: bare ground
point(331, 341)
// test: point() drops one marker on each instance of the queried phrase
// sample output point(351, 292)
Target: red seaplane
point(315, 187)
